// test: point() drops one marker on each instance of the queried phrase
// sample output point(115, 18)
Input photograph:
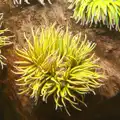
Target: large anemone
point(89, 12)
point(57, 64)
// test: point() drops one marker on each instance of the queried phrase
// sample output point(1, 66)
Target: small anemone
point(4, 40)
point(19, 2)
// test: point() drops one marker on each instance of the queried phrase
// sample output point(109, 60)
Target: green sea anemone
point(57, 64)
point(89, 12)
point(4, 40)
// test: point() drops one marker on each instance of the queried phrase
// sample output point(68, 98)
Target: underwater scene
point(60, 59)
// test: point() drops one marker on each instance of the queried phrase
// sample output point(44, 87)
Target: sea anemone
point(89, 12)
point(57, 64)
point(4, 40)
point(19, 2)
